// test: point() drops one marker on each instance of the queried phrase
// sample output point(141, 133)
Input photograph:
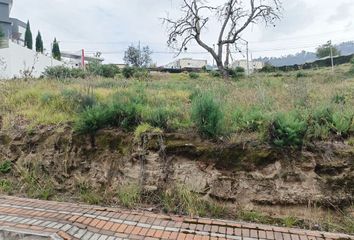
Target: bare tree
point(234, 17)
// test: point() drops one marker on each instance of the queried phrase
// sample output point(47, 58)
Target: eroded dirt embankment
point(247, 174)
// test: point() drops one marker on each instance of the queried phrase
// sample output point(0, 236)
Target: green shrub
point(215, 74)
point(193, 75)
point(249, 120)
point(58, 72)
point(156, 117)
point(319, 123)
point(5, 166)
point(5, 186)
point(128, 72)
point(301, 74)
point(93, 119)
point(141, 74)
point(116, 114)
point(104, 70)
point(342, 123)
point(287, 130)
point(143, 129)
point(109, 70)
point(207, 115)
point(236, 73)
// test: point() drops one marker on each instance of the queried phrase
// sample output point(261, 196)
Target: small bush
point(287, 130)
point(236, 73)
point(301, 74)
point(157, 117)
point(58, 72)
point(109, 70)
point(5, 186)
point(128, 72)
point(88, 194)
point(5, 167)
point(207, 115)
point(93, 119)
point(319, 123)
point(249, 120)
point(342, 123)
point(129, 195)
point(215, 74)
point(193, 75)
point(141, 74)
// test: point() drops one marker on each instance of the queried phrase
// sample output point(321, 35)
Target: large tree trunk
point(222, 69)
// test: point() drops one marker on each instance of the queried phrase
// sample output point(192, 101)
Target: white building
point(253, 65)
point(187, 63)
point(17, 61)
point(75, 60)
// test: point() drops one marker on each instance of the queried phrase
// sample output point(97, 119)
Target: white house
point(187, 63)
point(253, 65)
point(17, 61)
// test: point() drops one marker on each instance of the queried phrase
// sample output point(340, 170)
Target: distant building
point(13, 28)
point(74, 60)
point(253, 65)
point(187, 63)
point(121, 65)
point(17, 61)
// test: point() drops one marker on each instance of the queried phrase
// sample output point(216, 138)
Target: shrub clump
point(207, 115)
point(62, 72)
point(193, 75)
point(287, 130)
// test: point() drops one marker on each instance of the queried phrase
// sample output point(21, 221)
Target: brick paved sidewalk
point(54, 220)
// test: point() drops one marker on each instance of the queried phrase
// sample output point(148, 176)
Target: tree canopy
point(233, 16)
point(136, 57)
point(325, 50)
point(28, 37)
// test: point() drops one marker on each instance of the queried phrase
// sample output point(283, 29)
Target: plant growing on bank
point(28, 36)
point(287, 130)
point(39, 43)
point(207, 115)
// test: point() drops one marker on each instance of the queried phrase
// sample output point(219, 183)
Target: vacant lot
point(312, 104)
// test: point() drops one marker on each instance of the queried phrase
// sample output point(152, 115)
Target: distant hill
point(346, 48)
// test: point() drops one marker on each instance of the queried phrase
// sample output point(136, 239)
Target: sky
point(110, 26)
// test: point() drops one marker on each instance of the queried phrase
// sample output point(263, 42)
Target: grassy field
point(285, 109)
point(313, 104)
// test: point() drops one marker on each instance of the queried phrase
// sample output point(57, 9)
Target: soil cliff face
point(247, 174)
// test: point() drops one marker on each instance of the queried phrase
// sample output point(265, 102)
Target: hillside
point(302, 57)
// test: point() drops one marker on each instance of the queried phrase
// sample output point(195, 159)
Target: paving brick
point(74, 221)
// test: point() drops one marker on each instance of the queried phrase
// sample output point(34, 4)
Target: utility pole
point(248, 61)
point(83, 59)
point(332, 62)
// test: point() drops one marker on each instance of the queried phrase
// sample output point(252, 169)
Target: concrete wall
point(17, 62)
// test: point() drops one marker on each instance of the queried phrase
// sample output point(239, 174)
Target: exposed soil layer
point(248, 174)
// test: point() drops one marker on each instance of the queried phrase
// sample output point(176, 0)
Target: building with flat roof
point(13, 28)
point(187, 63)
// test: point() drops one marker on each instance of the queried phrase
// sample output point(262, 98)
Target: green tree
point(136, 57)
point(28, 37)
point(56, 50)
point(39, 43)
point(325, 50)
